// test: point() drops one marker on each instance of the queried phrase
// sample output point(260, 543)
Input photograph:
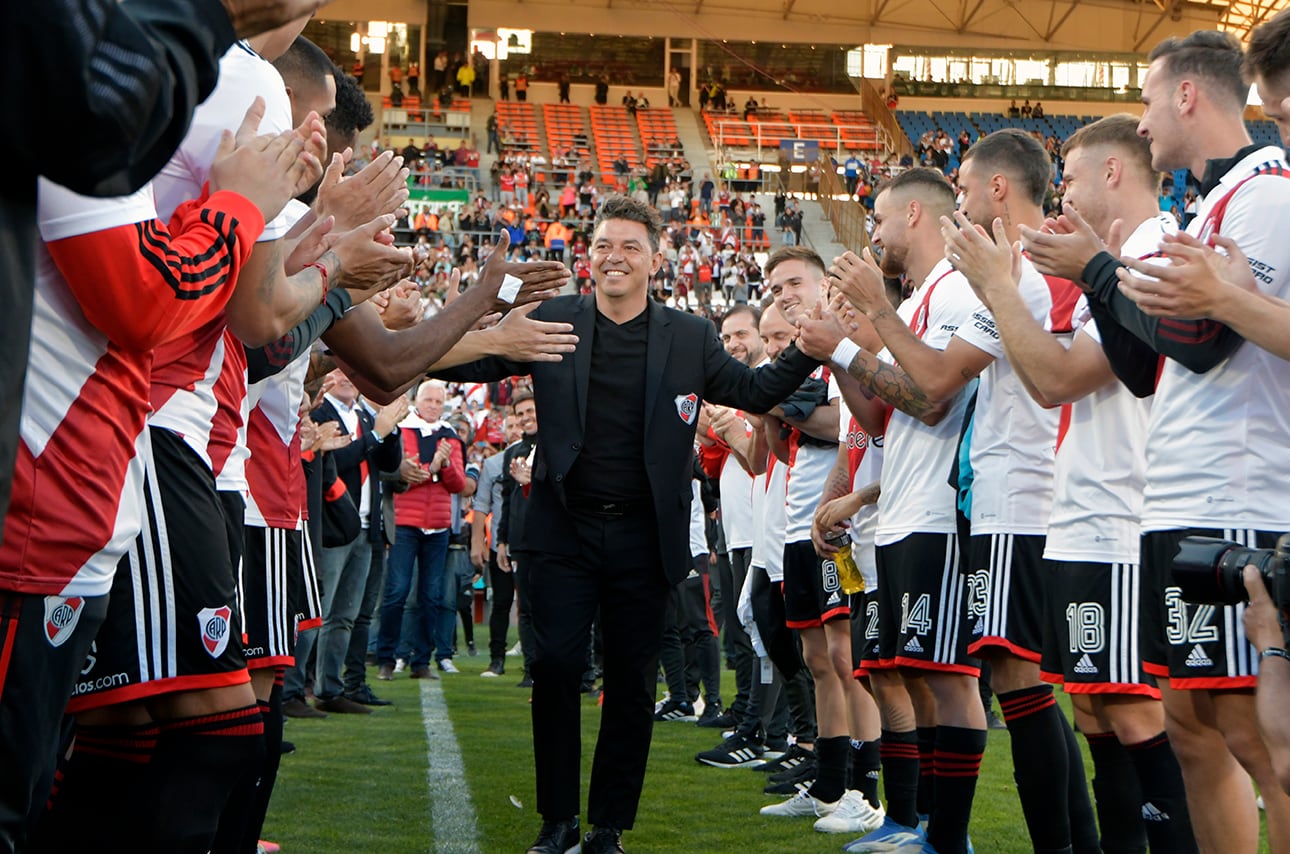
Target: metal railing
point(847, 216)
point(762, 138)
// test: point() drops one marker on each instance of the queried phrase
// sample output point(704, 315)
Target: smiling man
point(607, 524)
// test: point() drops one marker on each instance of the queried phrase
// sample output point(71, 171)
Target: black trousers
point(499, 617)
point(618, 569)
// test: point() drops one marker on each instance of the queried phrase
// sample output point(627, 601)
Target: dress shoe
point(386, 673)
point(424, 672)
point(341, 705)
point(298, 708)
point(365, 696)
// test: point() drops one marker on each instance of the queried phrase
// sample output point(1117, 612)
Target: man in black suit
point(608, 510)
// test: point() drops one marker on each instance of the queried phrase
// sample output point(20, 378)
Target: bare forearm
point(924, 365)
point(893, 386)
point(1260, 319)
point(822, 423)
point(268, 303)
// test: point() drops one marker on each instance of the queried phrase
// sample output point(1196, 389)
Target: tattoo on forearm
point(839, 484)
point(869, 494)
point(891, 384)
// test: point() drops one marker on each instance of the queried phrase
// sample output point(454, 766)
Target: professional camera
point(1209, 570)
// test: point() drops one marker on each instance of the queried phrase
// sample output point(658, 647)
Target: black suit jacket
point(381, 456)
point(685, 365)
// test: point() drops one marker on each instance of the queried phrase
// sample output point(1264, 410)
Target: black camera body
point(1208, 570)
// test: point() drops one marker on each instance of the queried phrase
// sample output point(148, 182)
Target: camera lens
point(1209, 570)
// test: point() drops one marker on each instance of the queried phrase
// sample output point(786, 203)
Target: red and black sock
point(899, 755)
point(243, 816)
point(95, 805)
point(198, 765)
point(957, 765)
point(1040, 765)
point(926, 763)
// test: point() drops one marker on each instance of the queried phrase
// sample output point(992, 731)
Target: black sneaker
point(796, 780)
point(675, 710)
point(526, 682)
point(794, 757)
point(557, 837)
point(807, 765)
point(603, 840)
point(287, 748)
point(734, 752)
point(365, 696)
point(716, 718)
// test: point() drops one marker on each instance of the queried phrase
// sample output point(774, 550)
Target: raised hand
point(1192, 285)
point(540, 279)
point(264, 169)
point(860, 280)
point(310, 246)
point(381, 187)
point(400, 306)
point(389, 416)
point(987, 263)
point(819, 333)
point(410, 470)
point(523, 339)
point(1065, 247)
point(365, 263)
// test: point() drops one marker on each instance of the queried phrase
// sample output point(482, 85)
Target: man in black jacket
point(608, 516)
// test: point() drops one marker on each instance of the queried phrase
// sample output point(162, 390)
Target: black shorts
point(1006, 594)
point(921, 597)
point(1194, 646)
point(864, 633)
point(812, 594)
point(767, 598)
point(172, 622)
point(270, 580)
point(1092, 628)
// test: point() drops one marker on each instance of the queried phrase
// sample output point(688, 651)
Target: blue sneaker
point(891, 836)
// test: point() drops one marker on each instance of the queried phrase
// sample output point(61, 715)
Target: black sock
point(94, 806)
point(1084, 838)
point(831, 773)
point(198, 764)
point(1039, 763)
point(926, 763)
point(957, 766)
point(1164, 801)
point(1119, 798)
point(863, 770)
point(899, 753)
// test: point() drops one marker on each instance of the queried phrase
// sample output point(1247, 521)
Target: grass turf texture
point(358, 783)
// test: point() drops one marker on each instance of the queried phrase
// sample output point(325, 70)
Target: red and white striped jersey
point(275, 495)
point(112, 283)
point(200, 382)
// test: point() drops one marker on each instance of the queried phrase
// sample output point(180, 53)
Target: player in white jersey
point(1091, 641)
point(1013, 440)
point(814, 603)
point(920, 377)
point(1219, 401)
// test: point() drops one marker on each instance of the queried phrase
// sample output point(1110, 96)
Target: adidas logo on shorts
point(979, 628)
point(1150, 812)
point(834, 598)
point(913, 645)
point(1085, 665)
point(1198, 658)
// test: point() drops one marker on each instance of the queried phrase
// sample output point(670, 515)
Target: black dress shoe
point(556, 837)
point(365, 696)
point(603, 840)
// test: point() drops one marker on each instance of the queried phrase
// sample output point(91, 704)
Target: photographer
point(1265, 633)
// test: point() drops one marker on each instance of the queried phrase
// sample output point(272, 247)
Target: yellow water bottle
point(849, 578)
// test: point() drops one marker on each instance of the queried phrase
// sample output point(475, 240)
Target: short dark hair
point(353, 113)
point(1268, 55)
point(744, 308)
point(794, 253)
point(304, 64)
point(1119, 131)
point(627, 208)
point(1019, 155)
point(520, 396)
point(1211, 54)
point(926, 183)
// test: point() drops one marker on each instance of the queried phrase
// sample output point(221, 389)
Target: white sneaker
point(400, 665)
point(852, 815)
point(800, 804)
point(515, 650)
point(446, 665)
point(488, 674)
